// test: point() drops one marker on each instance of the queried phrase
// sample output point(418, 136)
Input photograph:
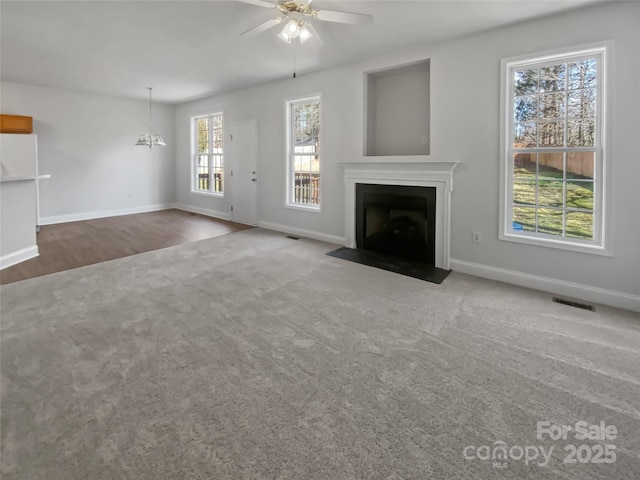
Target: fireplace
point(431, 176)
point(397, 220)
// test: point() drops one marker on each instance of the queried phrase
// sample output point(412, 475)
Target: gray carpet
point(254, 356)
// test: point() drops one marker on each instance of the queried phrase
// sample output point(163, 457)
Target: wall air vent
point(573, 303)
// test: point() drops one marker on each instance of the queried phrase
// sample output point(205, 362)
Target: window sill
point(208, 194)
point(592, 249)
point(304, 208)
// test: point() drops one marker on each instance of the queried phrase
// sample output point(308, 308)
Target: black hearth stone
point(403, 266)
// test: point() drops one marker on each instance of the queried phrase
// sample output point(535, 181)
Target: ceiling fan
point(296, 16)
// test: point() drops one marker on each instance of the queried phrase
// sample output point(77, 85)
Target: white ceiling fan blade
point(263, 26)
point(343, 17)
point(314, 32)
point(259, 3)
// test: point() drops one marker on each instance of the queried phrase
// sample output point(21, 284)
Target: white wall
point(478, 177)
point(87, 143)
point(465, 86)
point(341, 113)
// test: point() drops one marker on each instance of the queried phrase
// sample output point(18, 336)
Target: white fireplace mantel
point(419, 174)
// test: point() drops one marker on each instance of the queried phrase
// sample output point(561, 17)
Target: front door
point(244, 179)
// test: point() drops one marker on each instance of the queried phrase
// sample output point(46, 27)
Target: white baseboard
point(301, 232)
point(203, 211)
point(77, 217)
point(551, 285)
point(18, 256)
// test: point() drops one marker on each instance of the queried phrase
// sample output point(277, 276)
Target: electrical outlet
point(475, 237)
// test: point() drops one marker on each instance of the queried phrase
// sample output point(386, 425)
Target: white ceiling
point(192, 49)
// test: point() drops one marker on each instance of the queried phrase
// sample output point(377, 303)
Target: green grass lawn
point(579, 194)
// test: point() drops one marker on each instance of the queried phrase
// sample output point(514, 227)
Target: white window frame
point(289, 174)
point(194, 156)
point(507, 66)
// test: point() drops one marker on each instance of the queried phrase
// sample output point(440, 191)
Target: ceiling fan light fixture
point(305, 34)
point(298, 14)
point(293, 28)
point(284, 36)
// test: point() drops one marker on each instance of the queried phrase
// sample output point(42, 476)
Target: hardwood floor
point(70, 245)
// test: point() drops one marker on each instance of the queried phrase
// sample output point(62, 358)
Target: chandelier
point(149, 139)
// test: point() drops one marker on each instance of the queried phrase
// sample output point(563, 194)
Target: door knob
point(253, 179)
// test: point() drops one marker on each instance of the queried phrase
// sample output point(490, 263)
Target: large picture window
point(208, 154)
point(553, 162)
point(303, 153)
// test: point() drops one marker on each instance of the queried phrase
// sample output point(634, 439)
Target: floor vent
point(573, 303)
point(292, 237)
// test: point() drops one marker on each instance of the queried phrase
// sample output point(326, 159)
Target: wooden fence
point(203, 182)
point(578, 163)
point(307, 188)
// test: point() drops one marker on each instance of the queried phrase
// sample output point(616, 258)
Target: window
point(303, 153)
point(554, 161)
point(208, 155)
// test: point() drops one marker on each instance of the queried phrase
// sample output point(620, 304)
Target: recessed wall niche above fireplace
point(397, 220)
point(398, 110)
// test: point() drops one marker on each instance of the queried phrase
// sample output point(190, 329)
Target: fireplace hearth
point(403, 266)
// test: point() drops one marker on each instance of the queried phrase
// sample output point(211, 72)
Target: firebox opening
point(396, 220)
